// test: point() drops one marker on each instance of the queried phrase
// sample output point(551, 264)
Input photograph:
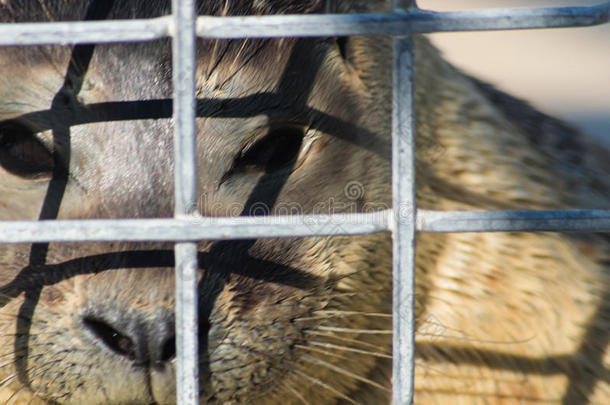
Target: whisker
point(35, 395)
point(342, 294)
point(466, 379)
point(232, 70)
point(13, 353)
point(326, 386)
point(7, 381)
point(43, 368)
point(21, 334)
point(331, 314)
point(207, 73)
point(295, 393)
point(349, 313)
point(351, 349)
point(274, 393)
point(476, 340)
point(341, 338)
point(225, 9)
point(340, 370)
point(15, 396)
point(10, 362)
point(312, 318)
point(369, 291)
point(356, 331)
point(215, 59)
point(324, 352)
point(15, 316)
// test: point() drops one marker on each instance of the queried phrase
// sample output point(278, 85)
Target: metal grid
point(183, 26)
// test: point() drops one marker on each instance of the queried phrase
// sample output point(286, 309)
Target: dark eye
point(277, 150)
point(22, 154)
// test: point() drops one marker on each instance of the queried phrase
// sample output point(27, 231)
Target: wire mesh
point(183, 26)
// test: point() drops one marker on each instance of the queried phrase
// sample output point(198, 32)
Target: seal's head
point(286, 126)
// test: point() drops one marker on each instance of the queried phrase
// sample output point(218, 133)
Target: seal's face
point(284, 127)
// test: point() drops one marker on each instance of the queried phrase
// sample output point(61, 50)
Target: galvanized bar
point(83, 32)
point(205, 228)
point(414, 22)
point(403, 218)
point(514, 221)
point(185, 164)
point(187, 326)
point(192, 229)
point(185, 190)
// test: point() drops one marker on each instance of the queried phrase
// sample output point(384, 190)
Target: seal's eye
point(22, 154)
point(277, 150)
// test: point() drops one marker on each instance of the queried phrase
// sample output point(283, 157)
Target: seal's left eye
point(277, 150)
point(22, 154)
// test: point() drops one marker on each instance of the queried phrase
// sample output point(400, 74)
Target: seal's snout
point(146, 339)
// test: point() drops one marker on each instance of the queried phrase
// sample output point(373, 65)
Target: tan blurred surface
point(565, 72)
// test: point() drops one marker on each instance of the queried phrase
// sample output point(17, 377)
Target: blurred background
point(564, 72)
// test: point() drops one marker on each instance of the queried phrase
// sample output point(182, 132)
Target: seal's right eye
point(21, 154)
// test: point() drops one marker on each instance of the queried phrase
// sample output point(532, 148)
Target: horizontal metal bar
point(191, 229)
point(401, 23)
point(82, 32)
point(514, 221)
point(413, 22)
point(207, 228)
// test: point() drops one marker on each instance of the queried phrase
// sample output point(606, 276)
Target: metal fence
point(186, 228)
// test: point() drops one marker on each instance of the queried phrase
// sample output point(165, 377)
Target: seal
point(287, 126)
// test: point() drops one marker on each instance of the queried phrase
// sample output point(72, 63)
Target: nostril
point(168, 352)
point(112, 338)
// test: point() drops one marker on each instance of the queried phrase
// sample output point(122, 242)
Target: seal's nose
point(146, 339)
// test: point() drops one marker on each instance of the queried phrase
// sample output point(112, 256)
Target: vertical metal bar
point(185, 165)
point(187, 367)
point(185, 168)
point(403, 185)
